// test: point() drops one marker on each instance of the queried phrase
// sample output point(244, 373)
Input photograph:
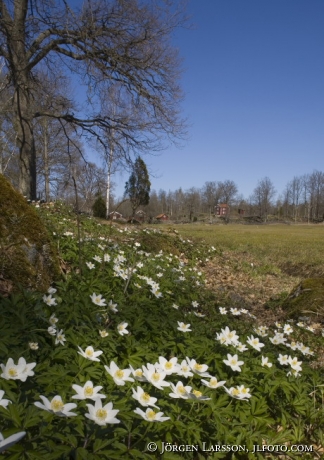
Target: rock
point(27, 257)
point(306, 299)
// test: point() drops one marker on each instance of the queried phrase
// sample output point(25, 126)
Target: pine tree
point(99, 207)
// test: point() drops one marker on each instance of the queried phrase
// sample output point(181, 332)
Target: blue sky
point(253, 82)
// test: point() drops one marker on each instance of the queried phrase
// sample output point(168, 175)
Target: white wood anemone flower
point(20, 371)
point(3, 402)
point(233, 362)
point(196, 394)
point(199, 369)
point(88, 391)
point(138, 374)
point(113, 306)
point(265, 361)
point(255, 343)
point(239, 392)
point(56, 406)
point(155, 377)
point(49, 300)
point(151, 416)
point(168, 366)
point(89, 353)
point(10, 441)
point(122, 328)
point(213, 383)
point(180, 391)
point(120, 376)
point(144, 398)
point(102, 415)
point(183, 327)
point(98, 300)
point(184, 369)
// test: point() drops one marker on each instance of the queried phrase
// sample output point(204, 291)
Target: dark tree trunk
point(22, 82)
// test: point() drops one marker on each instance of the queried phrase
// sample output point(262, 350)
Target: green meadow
point(296, 249)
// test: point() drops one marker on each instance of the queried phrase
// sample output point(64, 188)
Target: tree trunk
point(25, 142)
point(46, 162)
point(22, 81)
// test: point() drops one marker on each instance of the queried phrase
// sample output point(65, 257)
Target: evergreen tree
point(137, 189)
point(99, 207)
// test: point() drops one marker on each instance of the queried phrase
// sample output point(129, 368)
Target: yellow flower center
point(168, 365)
point(244, 391)
point(89, 352)
point(101, 414)
point(197, 393)
point(182, 390)
point(233, 362)
point(56, 405)
point(235, 392)
point(12, 372)
point(119, 374)
point(198, 367)
point(213, 382)
point(156, 376)
point(151, 414)
point(139, 373)
point(146, 397)
point(88, 391)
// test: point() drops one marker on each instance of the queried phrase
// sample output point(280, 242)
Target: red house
point(222, 209)
point(162, 217)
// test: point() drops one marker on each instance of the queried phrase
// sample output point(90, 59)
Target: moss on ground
point(306, 299)
point(27, 257)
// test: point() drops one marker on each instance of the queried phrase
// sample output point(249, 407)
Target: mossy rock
point(157, 242)
point(27, 257)
point(307, 299)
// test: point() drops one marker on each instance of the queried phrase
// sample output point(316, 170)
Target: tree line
point(301, 200)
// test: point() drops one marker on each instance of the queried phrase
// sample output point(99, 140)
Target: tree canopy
point(124, 44)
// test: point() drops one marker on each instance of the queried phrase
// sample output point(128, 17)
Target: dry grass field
point(259, 263)
point(296, 250)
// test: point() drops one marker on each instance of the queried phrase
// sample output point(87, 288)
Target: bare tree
point(103, 42)
point(210, 196)
point(226, 191)
point(316, 194)
point(192, 201)
point(293, 195)
point(263, 195)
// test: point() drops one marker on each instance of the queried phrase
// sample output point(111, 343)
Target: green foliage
point(126, 279)
point(137, 189)
point(99, 207)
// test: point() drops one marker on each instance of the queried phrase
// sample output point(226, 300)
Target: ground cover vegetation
point(130, 347)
